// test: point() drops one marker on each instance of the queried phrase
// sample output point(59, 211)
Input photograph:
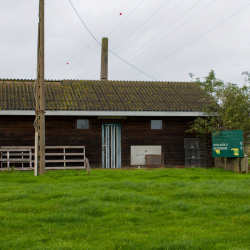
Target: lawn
point(125, 209)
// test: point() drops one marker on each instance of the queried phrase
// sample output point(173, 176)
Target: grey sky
point(165, 46)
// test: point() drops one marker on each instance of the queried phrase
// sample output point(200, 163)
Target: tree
point(228, 107)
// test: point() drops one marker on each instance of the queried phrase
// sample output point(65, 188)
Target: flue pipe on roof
point(104, 59)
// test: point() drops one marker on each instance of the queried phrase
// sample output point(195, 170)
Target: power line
point(69, 62)
point(89, 70)
point(152, 25)
point(108, 34)
point(90, 43)
point(141, 24)
point(130, 35)
point(126, 38)
point(116, 18)
point(170, 24)
point(156, 36)
point(78, 61)
point(114, 70)
point(126, 17)
point(195, 39)
point(108, 49)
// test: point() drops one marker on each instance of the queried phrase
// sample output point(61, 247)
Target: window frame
point(80, 129)
point(156, 129)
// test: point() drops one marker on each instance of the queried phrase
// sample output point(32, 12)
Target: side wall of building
point(62, 130)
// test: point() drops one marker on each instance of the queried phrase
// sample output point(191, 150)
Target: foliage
point(118, 209)
point(231, 102)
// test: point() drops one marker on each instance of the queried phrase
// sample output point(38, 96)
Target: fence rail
point(56, 157)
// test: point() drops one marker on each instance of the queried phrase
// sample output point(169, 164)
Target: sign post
point(228, 150)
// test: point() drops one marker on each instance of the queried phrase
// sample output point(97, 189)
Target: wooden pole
point(36, 154)
point(40, 94)
point(104, 59)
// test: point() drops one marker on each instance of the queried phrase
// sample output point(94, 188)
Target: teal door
point(111, 145)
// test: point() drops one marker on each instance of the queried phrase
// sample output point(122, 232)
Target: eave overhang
point(104, 113)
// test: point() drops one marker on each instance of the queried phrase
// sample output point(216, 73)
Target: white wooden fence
point(56, 157)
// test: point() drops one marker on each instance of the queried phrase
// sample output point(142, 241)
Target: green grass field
point(125, 209)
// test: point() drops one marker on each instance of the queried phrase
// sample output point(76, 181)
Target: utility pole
point(104, 59)
point(40, 98)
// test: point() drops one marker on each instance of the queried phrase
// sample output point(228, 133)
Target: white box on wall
point(138, 153)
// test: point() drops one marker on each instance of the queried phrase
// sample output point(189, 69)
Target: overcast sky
point(166, 39)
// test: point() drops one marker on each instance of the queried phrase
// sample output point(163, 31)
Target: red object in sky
point(67, 63)
point(120, 14)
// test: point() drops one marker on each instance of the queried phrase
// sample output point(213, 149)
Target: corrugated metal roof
point(104, 95)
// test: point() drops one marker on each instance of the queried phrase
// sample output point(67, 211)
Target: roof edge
point(96, 80)
point(104, 113)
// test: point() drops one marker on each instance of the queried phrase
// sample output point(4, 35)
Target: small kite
point(67, 63)
point(120, 14)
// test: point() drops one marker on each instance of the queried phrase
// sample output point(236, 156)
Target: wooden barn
point(121, 124)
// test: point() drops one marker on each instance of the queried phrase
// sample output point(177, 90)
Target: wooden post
point(30, 156)
point(8, 159)
point(87, 165)
point(236, 165)
point(225, 163)
point(216, 162)
point(36, 154)
point(40, 93)
point(246, 163)
point(242, 164)
point(64, 157)
point(104, 59)
point(219, 162)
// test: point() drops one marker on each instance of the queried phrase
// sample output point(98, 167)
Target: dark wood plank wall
point(138, 132)
point(61, 130)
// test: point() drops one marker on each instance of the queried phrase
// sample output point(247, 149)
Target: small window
point(156, 124)
point(83, 124)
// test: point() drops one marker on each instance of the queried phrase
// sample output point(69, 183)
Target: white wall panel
point(138, 153)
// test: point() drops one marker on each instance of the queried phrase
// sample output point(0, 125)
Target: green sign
point(228, 143)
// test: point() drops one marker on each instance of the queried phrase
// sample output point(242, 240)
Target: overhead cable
point(126, 17)
point(141, 24)
point(79, 61)
point(152, 25)
point(115, 69)
point(195, 39)
point(108, 49)
point(95, 65)
point(89, 44)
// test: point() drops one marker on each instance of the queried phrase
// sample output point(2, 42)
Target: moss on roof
point(104, 95)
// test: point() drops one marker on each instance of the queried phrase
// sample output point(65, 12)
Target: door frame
point(118, 125)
